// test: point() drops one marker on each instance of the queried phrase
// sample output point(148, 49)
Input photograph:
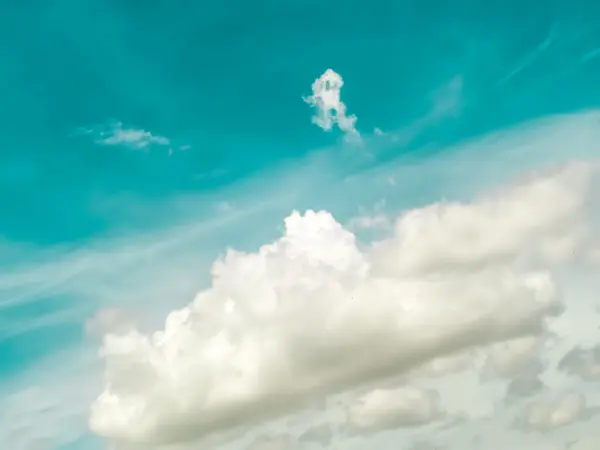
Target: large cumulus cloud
point(316, 312)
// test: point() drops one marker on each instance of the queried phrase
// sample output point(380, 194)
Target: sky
point(301, 225)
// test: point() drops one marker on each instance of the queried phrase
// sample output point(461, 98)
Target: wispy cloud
point(159, 266)
point(116, 133)
point(447, 100)
point(130, 137)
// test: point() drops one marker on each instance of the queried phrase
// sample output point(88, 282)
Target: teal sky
point(227, 80)
point(222, 84)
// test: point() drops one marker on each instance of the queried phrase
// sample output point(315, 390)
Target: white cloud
point(313, 313)
point(117, 134)
point(331, 110)
point(548, 414)
point(382, 409)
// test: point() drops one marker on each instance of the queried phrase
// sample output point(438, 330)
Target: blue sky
point(217, 79)
point(140, 140)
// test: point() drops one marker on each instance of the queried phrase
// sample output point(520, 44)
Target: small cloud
point(331, 110)
point(581, 362)
point(544, 415)
point(383, 409)
point(118, 134)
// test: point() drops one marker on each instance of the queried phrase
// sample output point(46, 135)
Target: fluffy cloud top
point(315, 313)
point(331, 110)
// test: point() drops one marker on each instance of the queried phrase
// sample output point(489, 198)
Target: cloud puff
point(548, 414)
point(331, 110)
point(117, 134)
point(382, 409)
point(582, 362)
point(315, 313)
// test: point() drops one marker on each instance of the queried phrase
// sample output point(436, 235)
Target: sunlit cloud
point(301, 316)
